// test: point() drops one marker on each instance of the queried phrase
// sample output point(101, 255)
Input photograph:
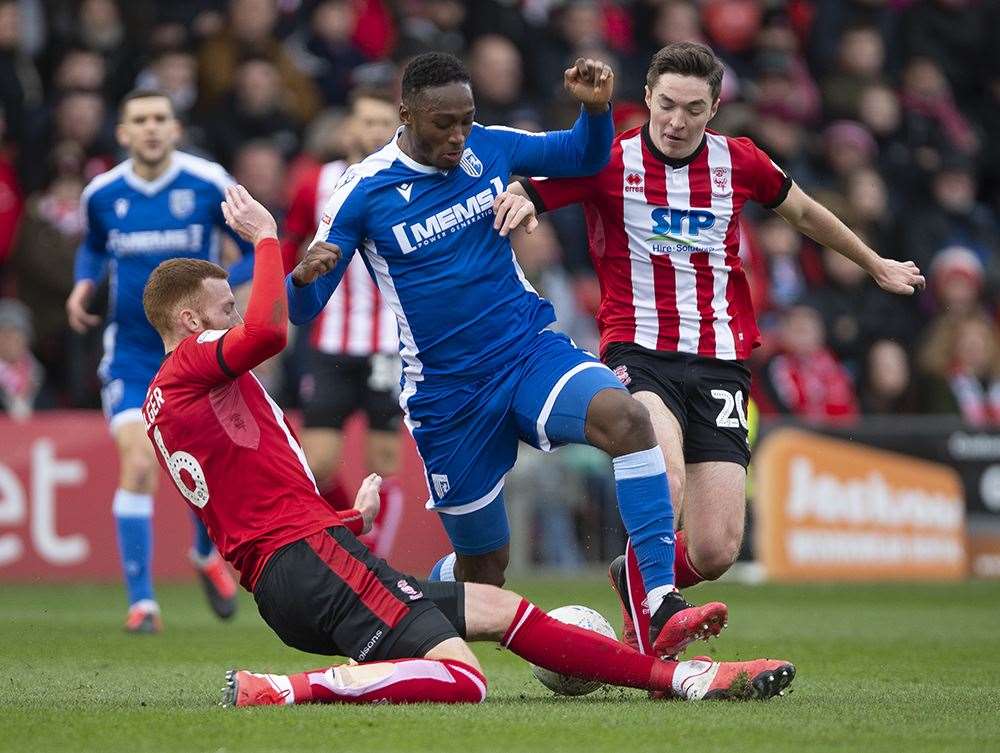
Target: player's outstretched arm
point(264, 331)
point(811, 218)
point(582, 150)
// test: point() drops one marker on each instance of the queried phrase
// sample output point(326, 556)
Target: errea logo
point(633, 183)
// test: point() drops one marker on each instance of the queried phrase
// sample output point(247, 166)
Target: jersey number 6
point(184, 461)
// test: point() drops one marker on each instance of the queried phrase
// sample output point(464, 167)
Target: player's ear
point(121, 136)
point(715, 107)
point(649, 98)
point(404, 114)
point(190, 320)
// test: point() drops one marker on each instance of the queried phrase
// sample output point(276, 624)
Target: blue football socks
point(648, 515)
point(134, 525)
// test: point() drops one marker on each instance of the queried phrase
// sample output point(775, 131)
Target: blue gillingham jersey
point(462, 303)
point(133, 225)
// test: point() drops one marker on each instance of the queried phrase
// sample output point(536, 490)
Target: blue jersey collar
point(147, 187)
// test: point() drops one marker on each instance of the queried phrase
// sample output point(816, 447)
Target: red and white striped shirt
point(356, 320)
point(665, 239)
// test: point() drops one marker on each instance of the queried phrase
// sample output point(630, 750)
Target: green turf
point(880, 668)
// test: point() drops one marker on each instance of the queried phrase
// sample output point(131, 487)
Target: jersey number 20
point(184, 461)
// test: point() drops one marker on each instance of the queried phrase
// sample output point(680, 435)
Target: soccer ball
point(586, 618)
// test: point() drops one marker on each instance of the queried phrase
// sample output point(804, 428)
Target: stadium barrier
point(828, 509)
point(58, 473)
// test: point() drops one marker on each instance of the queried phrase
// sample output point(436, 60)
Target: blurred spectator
point(77, 117)
point(260, 167)
point(42, 261)
point(933, 122)
point(497, 79)
point(881, 113)
point(952, 217)
point(10, 200)
point(20, 374)
point(961, 364)
point(81, 69)
point(860, 62)
point(957, 35)
point(174, 71)
point(785, 88)
point(20, 85)
point(956, 281)
point(788, 267)
point(331, 52)
point(249, 32)
point(431, 26)
point(868, 199)
point(805, 379)
point(847, 147)
point(102, 29)
point(887, 386)
point(855, 310)
point(254, 109)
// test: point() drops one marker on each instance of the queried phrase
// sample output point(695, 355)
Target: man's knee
point(483, 568)
point(620, 425)
point(714, 557)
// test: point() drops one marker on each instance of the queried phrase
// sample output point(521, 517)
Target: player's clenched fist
point(591, 82)
point(247, 216)
point(319, 259)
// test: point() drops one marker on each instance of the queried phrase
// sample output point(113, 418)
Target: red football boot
point(616, 574)
point(677, 624)
point(759, 679)
point(245, 688)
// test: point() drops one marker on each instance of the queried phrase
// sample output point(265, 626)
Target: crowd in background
point(888, 111)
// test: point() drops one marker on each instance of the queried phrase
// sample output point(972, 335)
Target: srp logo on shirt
point(678, 225)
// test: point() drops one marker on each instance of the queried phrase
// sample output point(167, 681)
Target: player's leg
point(624, 573)
point(586, 402)
point(499, 615)
point(132, 507)
point(717, 452)
point(382, 449)
point(331, 391)
point(468, 442)
point(328, 594)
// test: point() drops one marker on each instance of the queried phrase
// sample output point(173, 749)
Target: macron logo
point(405, 189)
point(412, 236)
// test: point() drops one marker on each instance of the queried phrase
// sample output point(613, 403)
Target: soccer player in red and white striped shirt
point(235, 459)
point(676, 318)
point(353, 361)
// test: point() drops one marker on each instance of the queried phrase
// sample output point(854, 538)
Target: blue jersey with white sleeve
point(133, 225)
point(463, 305)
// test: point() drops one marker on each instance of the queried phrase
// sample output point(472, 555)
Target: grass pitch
point(880, 668)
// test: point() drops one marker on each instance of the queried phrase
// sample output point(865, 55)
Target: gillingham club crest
point(470, 164)
point(181, 202)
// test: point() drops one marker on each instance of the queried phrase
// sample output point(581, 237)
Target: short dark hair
point(142, 94)
point(172, 283)
point(687, 59)
point(432, 69)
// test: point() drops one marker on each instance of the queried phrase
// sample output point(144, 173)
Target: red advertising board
point(58, 474)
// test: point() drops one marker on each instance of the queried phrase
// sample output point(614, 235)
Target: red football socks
point(685, 573)
point(398, 681)
point(571, 650)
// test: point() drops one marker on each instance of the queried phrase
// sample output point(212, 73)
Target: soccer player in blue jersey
point(481, 367)
point(157, 204)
